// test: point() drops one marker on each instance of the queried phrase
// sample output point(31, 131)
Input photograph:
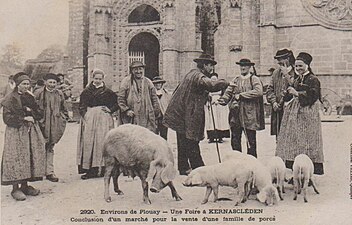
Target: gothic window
point(144, 13)
point(198, 20)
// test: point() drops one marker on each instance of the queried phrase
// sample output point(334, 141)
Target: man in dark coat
point(281, 78)
point(185, 112)
point(52, 102)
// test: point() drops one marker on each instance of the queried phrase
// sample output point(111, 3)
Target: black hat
point(205, 58)
point(136, 63)
point(51, 76)
point(158, 79)
point(305, 57)
point(282, 53)
point(271, 69)
point(245, 62)
point(19, 77)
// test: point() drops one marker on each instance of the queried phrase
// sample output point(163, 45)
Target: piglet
point(231, 173)
point(142, 153)
point(277, 170)
point(268, 194)
point(303, 169)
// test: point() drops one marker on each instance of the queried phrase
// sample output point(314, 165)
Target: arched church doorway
point(146, 48)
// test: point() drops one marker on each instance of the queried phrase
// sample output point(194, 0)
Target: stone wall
point(237, 37)
point(331, 48)
point(100, 40)
point(189, 38)
point(77, 43)
point(253, 29)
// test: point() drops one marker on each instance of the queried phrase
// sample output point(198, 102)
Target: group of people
point(139, 100)
point(36, 122)
point(293, 92)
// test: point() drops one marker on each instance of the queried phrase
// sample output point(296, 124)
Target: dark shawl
point(17, 106)
point(308, 88)
point(92, 97)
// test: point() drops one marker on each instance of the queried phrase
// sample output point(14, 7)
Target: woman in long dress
point(97, 103)
point(301, 125)
point(24, 155)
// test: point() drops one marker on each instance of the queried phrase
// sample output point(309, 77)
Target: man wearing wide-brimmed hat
point(280, 80)
point(137, 99)
point(245, 99)
point(52, 102)
point(164, 98)
point(185, 113)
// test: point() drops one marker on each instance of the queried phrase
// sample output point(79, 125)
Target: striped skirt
point(24, 154)
point(300, 133)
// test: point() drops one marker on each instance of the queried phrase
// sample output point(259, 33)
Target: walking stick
point(244, 128)
point(277, 123)
point(217, 144)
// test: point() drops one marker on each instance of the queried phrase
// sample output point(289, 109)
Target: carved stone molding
point(123, 8)
point(334, 14)
point(236, 4)
point(169, 4)
point(235, 48)
point(103, 9)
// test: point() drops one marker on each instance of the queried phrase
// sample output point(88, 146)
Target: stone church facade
point(168, 34)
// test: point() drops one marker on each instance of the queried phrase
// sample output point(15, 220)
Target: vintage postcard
point(200, 81)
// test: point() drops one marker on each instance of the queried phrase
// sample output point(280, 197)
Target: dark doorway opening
point(149, 45)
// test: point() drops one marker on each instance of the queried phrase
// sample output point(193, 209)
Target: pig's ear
point(196, 179)
point(152, 170)
point(168, 173)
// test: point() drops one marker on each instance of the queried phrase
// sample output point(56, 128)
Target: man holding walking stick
point(185, 112)
point(245, 99)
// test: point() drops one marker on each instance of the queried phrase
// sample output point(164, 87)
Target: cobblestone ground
point(61, 203)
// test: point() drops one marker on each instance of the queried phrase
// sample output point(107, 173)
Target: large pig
point(142, 153)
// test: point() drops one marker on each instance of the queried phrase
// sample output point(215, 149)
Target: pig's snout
point(154, 190)
point(187, 182)
point(269, 204)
